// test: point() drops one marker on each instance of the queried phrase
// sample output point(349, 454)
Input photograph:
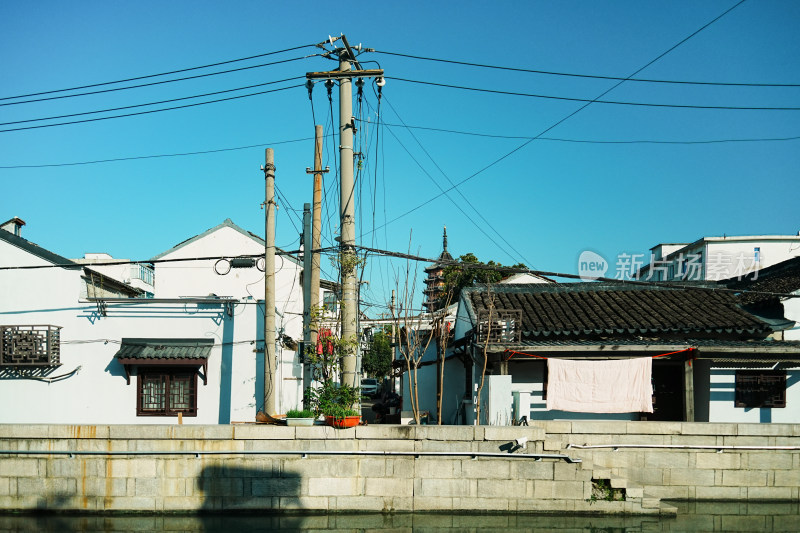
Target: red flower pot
point(343, 422)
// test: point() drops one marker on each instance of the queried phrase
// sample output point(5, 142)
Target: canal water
point(694, 517)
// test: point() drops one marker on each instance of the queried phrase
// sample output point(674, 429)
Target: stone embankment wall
point(213, 468)
point(689, 461)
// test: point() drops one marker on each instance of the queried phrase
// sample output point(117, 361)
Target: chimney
point(13, 226)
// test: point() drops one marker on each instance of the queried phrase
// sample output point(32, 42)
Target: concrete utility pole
point(347, 255)
point(306, 237)
point(270, 334)
point(316, 239)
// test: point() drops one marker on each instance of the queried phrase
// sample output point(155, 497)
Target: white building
point(717, 258)
point(80, 347)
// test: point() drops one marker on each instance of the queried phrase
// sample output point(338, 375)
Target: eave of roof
point(37, 250)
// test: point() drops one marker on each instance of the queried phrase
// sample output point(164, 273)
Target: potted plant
point(335, 402)
point(300, 417)
point(340, 417)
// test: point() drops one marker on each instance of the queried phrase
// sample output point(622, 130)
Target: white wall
point(723, 391)
point(99, 393)
point(199, 278)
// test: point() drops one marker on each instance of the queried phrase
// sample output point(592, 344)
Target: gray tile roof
point(163, 349)
point(598, 310)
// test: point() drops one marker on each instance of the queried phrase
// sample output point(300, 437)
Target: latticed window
point(760, 388)
point(25, 346)
point(499, 325)
point(167, 392)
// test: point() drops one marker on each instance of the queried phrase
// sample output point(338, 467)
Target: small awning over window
point(172, 352)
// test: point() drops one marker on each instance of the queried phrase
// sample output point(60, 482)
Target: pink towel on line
point(613, 386)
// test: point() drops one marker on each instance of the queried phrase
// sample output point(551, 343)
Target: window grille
point(167, 392)
point(760, 388)
point(30, 346)
point(505, 326)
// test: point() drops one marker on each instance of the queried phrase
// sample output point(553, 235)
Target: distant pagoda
point(434, 284)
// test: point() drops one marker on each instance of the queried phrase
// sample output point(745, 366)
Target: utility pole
point(316, 239)
point(307, 299)
point(347, 253)
point(270, 382)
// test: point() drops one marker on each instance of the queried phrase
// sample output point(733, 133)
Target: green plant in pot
point(300, 417)
point(335, 401)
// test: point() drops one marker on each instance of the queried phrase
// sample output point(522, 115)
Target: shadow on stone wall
point(262, 487)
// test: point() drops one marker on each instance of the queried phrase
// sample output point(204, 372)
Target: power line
point(589, 76)
point(151, 103)
point(594, 101)
point(595, 141)
point(157, 75)
point(181, 154)
point(401, 255)
point(150, 111)
point(569, 115)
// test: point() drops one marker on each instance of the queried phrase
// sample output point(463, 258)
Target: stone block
point(341, 504)
point(708, 428)
point(484, 468)
point(131, 503)
point(147, 487)
point(554, 427)
point(777, 430)
point(332, 486)
point(675, 492)
point(767, 460)
point(688, 477)
point(634, 492)
point(720, 493)
point(58, 431)
point(386, 432)
point(770, 493)
point(666, 459)
point(390, 487)
point(719, 461)
point(570, 472)
point(369, 467)
point(19, 467)
point(601, 427)
point(31, 486)
point(481, 504)
point(787, 478)
point(303, 503)
point(446, 433)
point(400, 467)
point(618, 459)
point(183, 503)
point(744, 478)
point(24, 431)
point(563, 490)
point(533, 505)
point(270, 432)
point(501, 489)
point(433, 503)
point(695, 440)
point(268, 487)
point(550, 445)
point(386, 445)
point(524, 469)
point(647, 429)
point(446, 487)
point(509, 433)
point(738, 440)
point(140, 431)
point(437, 467)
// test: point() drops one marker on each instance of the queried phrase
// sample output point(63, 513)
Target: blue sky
point(542, 205)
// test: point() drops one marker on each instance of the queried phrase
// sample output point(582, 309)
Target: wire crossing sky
point(128, 128)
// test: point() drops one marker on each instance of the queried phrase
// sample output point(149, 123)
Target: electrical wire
point(152, 110)
point(150, 103)
point(466, 200)
point(589, 76)
point(180, 154)
point(593, 101)
point(569, 115)
point(595, 141)
point(160, 74)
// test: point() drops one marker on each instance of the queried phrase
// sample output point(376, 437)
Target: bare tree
point(485, 349)
point(416, 335)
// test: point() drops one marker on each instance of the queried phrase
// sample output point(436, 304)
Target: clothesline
point(513, 353)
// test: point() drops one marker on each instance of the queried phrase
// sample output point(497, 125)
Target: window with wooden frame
point(760, 388)
point(166, 391)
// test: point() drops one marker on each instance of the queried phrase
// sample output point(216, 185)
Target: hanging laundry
point(613, 386)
